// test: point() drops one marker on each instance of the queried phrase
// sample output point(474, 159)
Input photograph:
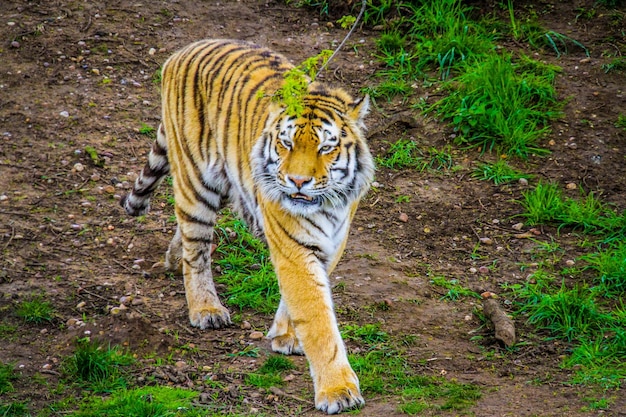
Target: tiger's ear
point(359, 109)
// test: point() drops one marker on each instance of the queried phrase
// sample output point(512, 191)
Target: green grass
point(147, 130)
point(500, 105)
point(270, 373)
point(587, 311)
point(369, 333)
point(383, 370)
point(14, 409)
point(405, 153)
point(455, 290)
point(245, 267)
point(158, 401)
point(8, 331)
point(546, 204)
point(589, 322)
point(35, 310)
point(499, 172)
point(7, 374)
point(608, 266)
point(97, 367)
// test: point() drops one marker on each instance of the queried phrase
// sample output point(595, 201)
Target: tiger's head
point(318, 159)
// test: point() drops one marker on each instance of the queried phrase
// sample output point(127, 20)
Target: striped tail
point(137, 202)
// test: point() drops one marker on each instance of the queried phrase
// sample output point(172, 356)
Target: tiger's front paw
point(209, 317)
point(337, 399)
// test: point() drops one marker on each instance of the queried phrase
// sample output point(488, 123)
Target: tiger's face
point(316, 160)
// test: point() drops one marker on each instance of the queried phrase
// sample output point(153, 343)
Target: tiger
point(295, 179)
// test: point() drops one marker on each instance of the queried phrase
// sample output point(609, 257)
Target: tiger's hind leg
point(196, 213)
point(283, 333)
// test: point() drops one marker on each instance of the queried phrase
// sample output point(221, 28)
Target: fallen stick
point(503, 324)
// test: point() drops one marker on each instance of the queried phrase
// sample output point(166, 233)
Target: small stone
point(483, 270)
point(518, 226)
point(46, 366)
point(137, 301)
point(473, 270)
point(71, 322)
point(256, 335)
point(96, 71)
point(571, 186)
point(64, 114)
point(109, 189)
point(570, 262)
point(523, 182)
point(15, 44)
point(486, 240)
point(95, 177)
point(43, 331)
point(246, 325)
point(181, 364)
point(151, 51)
point(125, 299)
point(3, 197)
point(81, 305)
point(403, 217)
point(78, 167)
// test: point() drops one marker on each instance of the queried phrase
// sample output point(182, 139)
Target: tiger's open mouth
point(303, 198)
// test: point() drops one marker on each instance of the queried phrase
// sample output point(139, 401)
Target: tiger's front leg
point(195, 232)
point(307, 298)
point(307, 308)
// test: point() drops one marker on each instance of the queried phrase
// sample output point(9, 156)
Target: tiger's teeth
point(302, 196)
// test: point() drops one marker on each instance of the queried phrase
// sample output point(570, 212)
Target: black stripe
point(183, 215)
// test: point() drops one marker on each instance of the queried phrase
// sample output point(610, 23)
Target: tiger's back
point(295, 179)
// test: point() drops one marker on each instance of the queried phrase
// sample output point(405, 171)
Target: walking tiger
point(295, 179)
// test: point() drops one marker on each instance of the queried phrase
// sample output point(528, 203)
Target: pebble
point(486, 240)
point(46, 366)
point(483, 270)
point(137, 301)
point(64, 114)
point(473, 270)
point(15, 44)
point(256, 335)
point(523, 181)
point(3, 197)
point(403, 217)
point(109, 189)
point(81, 305)
point(181, 364)
point(518, 226)
point(571, 186)
point(246, 325)
point(570, 262)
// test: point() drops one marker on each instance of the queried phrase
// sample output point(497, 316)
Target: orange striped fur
point(295, 180)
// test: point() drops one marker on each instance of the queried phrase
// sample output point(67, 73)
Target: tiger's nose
point(298, 180)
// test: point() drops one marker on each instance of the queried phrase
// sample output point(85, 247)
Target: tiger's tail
point(137, 202)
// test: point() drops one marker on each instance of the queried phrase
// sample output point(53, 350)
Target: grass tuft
point(155, 401)
point(35, 310)
point(97, 367)
point(7, 374)
point(245, 266)
point(500, 172)
point(499, 105)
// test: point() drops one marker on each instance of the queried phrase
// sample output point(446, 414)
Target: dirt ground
point(77, 74)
